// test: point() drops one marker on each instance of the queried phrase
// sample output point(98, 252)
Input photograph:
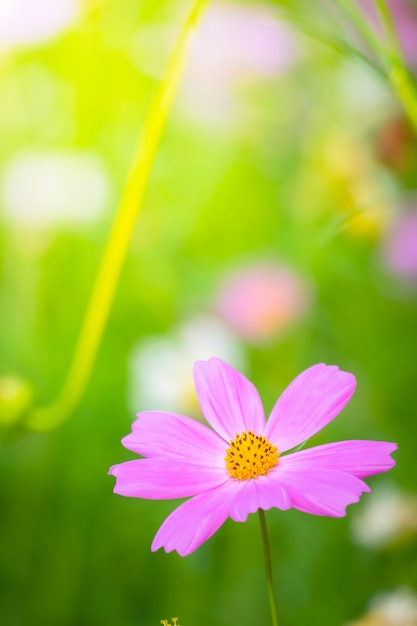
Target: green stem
point(94, 323)
point(268, 569)
point(406, 90)
point(391, 57)
point(398, 74)
point(389, 28)
point(342, 46)
point(357, 17)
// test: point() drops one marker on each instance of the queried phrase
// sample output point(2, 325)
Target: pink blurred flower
point(239, 467)
point(236, 45)
point(260, 301)
point(400, 246)
point(241, 42)
point(404, 14)
point(28, 22)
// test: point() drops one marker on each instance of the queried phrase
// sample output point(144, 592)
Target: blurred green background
point(279, 153)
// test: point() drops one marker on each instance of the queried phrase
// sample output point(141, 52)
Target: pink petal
point(310, 402)
point(319, 493)
point(359, 458)
point(194, 521)
point(229, 402)
point(157, 433)
point(258, 493)
point(159, 479)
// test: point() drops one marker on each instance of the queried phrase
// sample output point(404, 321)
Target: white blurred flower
point(361, 91)
point(160, 367)
point(30, 22)
point(396, 608)
point(46, 189)
point(387, 516)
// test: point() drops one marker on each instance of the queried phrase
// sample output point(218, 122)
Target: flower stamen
point(250, 455)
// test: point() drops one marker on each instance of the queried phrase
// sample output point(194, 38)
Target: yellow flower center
point(250, 455)
point(165, 622)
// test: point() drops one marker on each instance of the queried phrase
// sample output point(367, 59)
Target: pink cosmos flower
point(239, 466)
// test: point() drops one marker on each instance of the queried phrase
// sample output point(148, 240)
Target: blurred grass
point(72, 553)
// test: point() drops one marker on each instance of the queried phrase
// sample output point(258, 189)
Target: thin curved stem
point(94, 323)
point(356, 16)
point(342, 46)
point(406, 90)
point(268, 569)
point(398, 74)
point(389, 28)
point(390, 55)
